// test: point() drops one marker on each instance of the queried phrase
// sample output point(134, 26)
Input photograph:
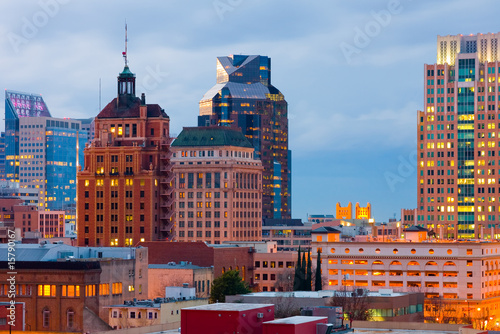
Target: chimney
point(143, 99)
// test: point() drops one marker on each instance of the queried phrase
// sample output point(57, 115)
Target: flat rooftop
point(295, 320)
point(322, 294)
point(228, 307)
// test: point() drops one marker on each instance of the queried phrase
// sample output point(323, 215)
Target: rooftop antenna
point(126, 40)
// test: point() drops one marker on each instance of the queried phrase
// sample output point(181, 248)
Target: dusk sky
point(351, 71)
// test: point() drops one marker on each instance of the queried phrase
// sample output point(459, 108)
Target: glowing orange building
point(359, 212)
point(125, 192)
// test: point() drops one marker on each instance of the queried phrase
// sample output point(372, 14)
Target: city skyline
point(346, 148)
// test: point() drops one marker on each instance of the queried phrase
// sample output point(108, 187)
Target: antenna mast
point(126, 40)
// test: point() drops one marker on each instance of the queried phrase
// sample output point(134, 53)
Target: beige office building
point(218, 186)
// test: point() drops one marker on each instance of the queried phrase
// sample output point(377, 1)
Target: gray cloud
point(336, 107)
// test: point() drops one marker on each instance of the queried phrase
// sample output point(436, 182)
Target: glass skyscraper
point(244, 97)
point(18, 105)
point(42, 152)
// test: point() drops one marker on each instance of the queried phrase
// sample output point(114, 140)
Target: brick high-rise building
point(125, 192)
point(244, 97)
point(218, 185)
point(458, 160)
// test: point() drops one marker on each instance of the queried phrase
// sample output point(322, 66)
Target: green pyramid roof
point(211, 136)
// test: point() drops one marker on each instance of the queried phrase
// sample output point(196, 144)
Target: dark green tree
point(297, 281)
point(308, 286)
point(228, 284)
point(303, 269)
point(318, 284)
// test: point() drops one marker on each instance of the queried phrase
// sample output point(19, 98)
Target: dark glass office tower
point(243, 97)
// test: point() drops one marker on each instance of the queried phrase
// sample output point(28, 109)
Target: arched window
point(378, 262)
point(395, 263)
point(223, 270)
point(413, 263)
point(449, 263)
point(431, 263)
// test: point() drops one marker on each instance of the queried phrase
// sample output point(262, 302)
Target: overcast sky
point(351, 71)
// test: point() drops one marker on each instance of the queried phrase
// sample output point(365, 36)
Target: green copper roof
point(126, 72)
point(211, 136)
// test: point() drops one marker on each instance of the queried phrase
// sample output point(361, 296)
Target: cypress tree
point(309, 272)
point(297, 282)
point(318, 284)
point(303, 271)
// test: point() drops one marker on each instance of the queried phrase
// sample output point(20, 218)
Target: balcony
point(114, 173)
point(130, 172)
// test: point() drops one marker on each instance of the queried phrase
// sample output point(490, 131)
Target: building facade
point(457, 139)
point(218, 183)
point(274, 271)
point(457, 278)
point(2, 157)
point(125, 191)
point(19, 105)
point(174, 274)
point(288, 237)
point(244, 97)
point(42, 153)
point(221, 257)
point(120, 273)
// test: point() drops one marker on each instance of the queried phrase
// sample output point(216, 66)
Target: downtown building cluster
point(213, 183)
point(227, 183)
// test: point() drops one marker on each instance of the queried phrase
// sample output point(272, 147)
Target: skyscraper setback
point(458, 160)
point(244, 97)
